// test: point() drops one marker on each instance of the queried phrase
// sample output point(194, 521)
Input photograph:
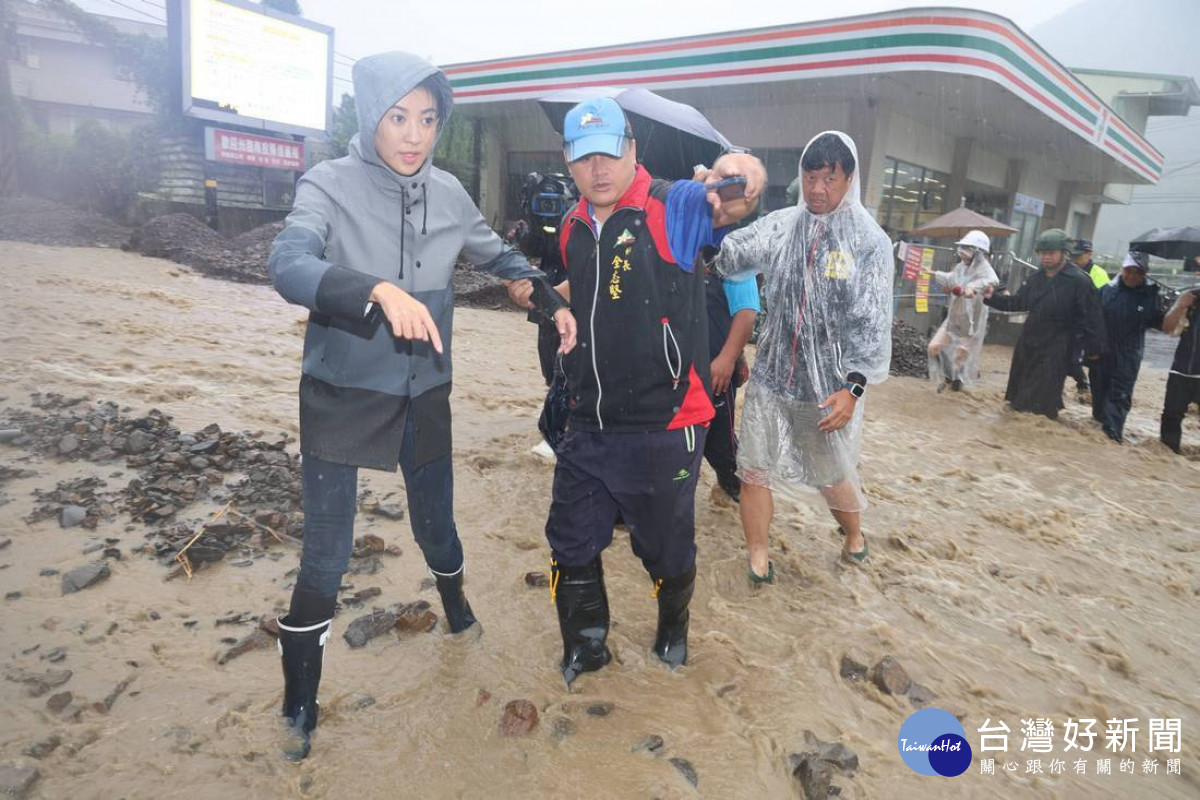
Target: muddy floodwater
point(1019, 568)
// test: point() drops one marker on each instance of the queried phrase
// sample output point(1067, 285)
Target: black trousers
point(1181, 393)
point(720, 447)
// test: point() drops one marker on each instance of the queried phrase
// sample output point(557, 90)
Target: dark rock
point(38, 683)
point(8, 435)
point(58, 702)
point(198, 463)
point(204, 448)
point(853, 669)
point(48, 572)
point(5, 543)
point(86, 576)
point(139, 442)
point(71, 516)
point(686, 770)
point(364, 629)
point(427, 584)
point(416, 617)
point(112, 552)
point(815, 776)
point(920, 695)
point(366, 594)
point(600, 709)
point(204, 554)
point(15, 780)
point(43, 747)
point(482, 697)
point(890, 677)
point(12, 596)
point(56, 655)
point(561, 728)
point(68, 444)
point(105, 705)
point(257, 639)
point(651, 744)
point(369, 545)
point(94, 547)
point(537, 580)
point(841, 757)
point(520, 717)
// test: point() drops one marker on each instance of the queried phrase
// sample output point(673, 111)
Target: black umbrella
point(1169, 243)
point(671, 137)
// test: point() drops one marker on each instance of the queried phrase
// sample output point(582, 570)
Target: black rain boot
point(458, 611)
point(674, 595)
point(582, 605)
point(302, 650)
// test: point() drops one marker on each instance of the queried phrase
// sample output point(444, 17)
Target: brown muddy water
point(1020, 568)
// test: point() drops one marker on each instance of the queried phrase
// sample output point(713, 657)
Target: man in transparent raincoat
point(954, 350)
point(828, 269)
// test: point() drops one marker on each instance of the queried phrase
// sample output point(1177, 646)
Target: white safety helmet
point(977, 239)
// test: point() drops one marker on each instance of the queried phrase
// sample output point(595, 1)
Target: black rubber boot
point(582, 606)
point(303, 650)
point(458, 611)
point(674, 595)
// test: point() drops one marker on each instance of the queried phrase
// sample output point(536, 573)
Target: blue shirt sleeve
point(742, 295)
point(689, 223)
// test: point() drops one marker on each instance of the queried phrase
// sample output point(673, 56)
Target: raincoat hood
point(853, 196)
point(381, 80)
point(828, 285)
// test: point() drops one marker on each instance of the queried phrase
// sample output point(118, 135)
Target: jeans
point(330, 493)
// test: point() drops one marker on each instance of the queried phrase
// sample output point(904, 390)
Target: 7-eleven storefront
point(946, 107)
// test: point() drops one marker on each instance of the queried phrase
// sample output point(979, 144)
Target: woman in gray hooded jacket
point(369, 248)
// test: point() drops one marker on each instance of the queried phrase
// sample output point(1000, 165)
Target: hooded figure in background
point(954, 350)
point(1063, 305)
point(828, 270)
point(369, 249)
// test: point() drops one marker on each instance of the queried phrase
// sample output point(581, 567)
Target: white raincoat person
point(955, 349)
point(828, 271)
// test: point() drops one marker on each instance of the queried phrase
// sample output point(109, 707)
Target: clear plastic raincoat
point(828, 289)
point(955, 349)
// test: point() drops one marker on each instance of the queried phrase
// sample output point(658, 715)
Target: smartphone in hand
point(733, 188)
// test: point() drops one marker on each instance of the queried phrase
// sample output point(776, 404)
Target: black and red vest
point(641, 362)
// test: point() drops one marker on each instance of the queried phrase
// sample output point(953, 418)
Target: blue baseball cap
point(595, 126)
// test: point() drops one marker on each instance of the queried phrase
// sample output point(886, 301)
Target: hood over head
point(382, 79)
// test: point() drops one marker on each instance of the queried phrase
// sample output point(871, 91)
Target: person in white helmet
point(954, 350)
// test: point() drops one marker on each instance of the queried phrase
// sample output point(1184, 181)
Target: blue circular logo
point(933, 742)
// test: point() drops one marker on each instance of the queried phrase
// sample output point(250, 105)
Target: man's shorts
point(648, 478)
point(779, 442)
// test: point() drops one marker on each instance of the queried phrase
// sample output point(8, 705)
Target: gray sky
point(472, 30)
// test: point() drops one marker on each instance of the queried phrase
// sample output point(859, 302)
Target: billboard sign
point(250, 66)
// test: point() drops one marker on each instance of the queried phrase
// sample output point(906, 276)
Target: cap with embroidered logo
point(595, 126)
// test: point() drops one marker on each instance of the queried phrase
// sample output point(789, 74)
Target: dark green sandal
point(757, 580)
point(856, 557)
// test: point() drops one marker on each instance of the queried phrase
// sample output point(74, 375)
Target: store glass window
point(912, 195)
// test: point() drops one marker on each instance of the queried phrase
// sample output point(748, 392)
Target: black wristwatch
point(856, 384)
